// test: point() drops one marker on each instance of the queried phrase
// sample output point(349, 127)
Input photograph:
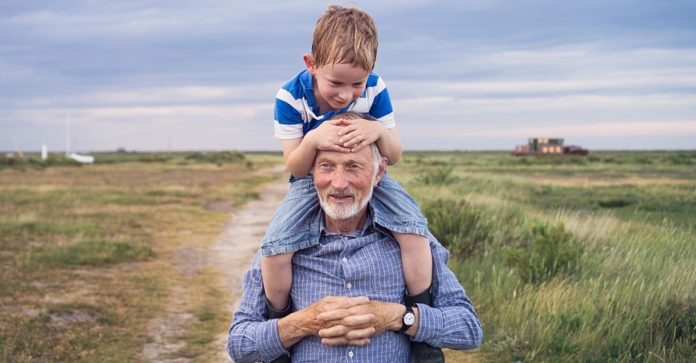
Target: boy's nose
point(344, 95)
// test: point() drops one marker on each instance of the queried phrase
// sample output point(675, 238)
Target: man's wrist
point(292, 328)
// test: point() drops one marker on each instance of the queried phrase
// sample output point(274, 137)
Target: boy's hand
point(326, 137)
point(358, 133)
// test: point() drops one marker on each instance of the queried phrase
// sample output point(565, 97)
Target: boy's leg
point(417, 263)
point(276, 272)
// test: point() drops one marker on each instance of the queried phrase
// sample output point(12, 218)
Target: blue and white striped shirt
point(365, 263)
point(297, 112)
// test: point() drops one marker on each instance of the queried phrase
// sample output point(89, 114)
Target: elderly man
point(348, 291)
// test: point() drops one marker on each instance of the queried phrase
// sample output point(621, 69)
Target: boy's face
point(336, 85)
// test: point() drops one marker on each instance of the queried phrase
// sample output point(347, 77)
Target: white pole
point(19, 152)
point(44, 152)
point(67, 135)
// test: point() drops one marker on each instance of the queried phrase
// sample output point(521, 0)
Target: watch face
point(409, 319)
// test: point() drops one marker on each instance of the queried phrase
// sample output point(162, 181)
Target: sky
point(464, 75)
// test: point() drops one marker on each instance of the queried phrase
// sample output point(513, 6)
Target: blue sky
point(471, 75)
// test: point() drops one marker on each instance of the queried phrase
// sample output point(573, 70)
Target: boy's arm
point(300, 153)
point(359, 133)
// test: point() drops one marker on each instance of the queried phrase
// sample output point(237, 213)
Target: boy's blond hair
point(345, 35)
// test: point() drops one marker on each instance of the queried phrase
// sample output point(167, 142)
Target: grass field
point(566, 259)
point(88, 254)
point(569, 259)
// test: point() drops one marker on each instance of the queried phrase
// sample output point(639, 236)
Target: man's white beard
point(342, 211)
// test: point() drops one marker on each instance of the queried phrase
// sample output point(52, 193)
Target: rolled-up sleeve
point(451, 322)
point(251, 337)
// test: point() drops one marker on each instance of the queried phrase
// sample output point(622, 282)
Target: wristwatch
point(408, 319)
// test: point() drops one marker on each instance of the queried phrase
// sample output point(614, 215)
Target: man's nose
point(339, 180)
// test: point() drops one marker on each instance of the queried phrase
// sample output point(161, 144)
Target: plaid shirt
point(364, 263)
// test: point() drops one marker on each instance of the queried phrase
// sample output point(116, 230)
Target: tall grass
point(628, 297)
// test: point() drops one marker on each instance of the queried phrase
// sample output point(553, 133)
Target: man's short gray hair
point(376, 157)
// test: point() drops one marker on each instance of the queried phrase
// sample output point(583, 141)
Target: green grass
point(629, 296)
point(88, 253)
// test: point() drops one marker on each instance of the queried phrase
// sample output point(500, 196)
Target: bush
point(551, 251)
point(675, 324)
point(154, 158)
point(616, 202)
point(460, 227)
point(439, 176)
point(220, 157)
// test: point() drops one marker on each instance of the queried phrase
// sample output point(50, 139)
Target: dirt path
point(231, 255)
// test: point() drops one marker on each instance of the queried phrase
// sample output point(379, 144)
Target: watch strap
point(405, 327)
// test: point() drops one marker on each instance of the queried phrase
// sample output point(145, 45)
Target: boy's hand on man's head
point(326, 137)
point(358, 133)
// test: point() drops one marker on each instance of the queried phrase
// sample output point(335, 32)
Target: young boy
point(337, 80)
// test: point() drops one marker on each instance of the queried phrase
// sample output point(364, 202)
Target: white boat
point(84, 159)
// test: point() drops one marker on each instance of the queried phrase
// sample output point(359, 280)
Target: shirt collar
point(367, 227)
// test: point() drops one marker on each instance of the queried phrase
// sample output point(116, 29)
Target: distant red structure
point(548, 146)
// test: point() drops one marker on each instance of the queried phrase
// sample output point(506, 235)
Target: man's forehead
point(364, 155)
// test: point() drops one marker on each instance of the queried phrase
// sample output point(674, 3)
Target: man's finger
point(344, 302)
point(358, 320)
point(334, 331)
point(334, 314)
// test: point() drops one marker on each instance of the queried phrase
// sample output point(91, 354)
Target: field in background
point(89, 254)
point(566, 259)
point(569, 259)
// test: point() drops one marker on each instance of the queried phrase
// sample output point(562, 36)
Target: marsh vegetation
point(566, 258)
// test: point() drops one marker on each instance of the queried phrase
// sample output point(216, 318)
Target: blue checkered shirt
point(364, 263)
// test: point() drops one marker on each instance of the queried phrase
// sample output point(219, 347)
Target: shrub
point(615, 202)
point(551, 251)
point(219, 157)
point(460, 227)
point(439, 176)
point(675, 324)
point(154, 158)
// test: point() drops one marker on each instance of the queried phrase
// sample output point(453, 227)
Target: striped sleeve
point(288, 118)
point(381, 107)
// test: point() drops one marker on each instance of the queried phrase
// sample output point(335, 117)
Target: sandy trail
point(240, 241)
point(231, 254)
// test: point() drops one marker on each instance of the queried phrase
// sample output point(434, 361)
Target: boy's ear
point(309, 62)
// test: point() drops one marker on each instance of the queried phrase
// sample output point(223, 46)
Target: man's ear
point(380, 171)
point(309, 63)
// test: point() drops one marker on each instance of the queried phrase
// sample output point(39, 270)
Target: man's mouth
point(341, 198)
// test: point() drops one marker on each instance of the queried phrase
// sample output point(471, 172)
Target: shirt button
point(349, 285)
point(350, 354)
point(344, 259)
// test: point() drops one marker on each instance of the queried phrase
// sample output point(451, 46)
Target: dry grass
point(68, 311)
